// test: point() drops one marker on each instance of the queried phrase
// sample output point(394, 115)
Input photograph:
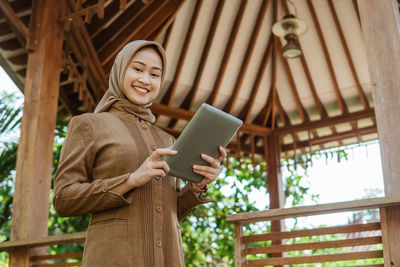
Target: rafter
point(360, 91)
point(189, 99)
point(221, 72)
point(170, 94)
point(246, 111)
point(320, 107)
point(300, 108)
point(339, 97)
point(355, 5)
point(16, 25)
point(250, 48)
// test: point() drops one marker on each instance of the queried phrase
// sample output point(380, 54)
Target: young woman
point(111, 166)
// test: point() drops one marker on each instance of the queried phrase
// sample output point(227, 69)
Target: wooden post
point(240, 258)
point(35, 151)
point(381, 29)
point(274, 181)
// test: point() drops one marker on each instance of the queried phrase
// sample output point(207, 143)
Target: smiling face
point(142, 79)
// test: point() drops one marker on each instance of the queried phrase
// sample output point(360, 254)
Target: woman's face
point(142, 79)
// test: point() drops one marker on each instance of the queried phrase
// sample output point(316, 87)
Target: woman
point(111, 166)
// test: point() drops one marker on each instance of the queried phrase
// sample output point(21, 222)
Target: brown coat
point(140, 228)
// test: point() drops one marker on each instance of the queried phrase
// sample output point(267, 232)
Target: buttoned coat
point(140, 228)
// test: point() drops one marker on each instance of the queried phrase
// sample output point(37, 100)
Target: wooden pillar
point(381, 29)
point(35, 151)
point(274, 181)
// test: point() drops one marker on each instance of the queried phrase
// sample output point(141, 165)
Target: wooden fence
point(350, 242)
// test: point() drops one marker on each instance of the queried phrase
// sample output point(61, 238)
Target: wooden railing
point(350, 242)
point(46, 260)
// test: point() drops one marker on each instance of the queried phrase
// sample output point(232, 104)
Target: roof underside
point(222, 53)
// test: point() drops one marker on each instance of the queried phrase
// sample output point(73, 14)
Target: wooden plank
point(385, 236)
point(15, 23)
point(352, 228)
point(229, 106)
point(45, 241)
point(240, 258)
point(353, 242)
point(339, 97)
point(318, 258)
point(227, 54)
point(66, 255)
point(64, 264)
point(275, 214)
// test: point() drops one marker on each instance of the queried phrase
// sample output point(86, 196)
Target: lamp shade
point(289, 25)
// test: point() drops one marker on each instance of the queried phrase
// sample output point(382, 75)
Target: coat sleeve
point(75, 193)
point(187, 200)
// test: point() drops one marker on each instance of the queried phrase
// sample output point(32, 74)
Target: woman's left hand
point(211, 172)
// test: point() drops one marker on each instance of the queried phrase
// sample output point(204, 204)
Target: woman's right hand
point(153, 166)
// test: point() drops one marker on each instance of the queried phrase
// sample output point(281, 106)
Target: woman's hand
point(211, 172)
point(153, 166)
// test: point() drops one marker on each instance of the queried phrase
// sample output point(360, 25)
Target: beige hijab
point(115, 96)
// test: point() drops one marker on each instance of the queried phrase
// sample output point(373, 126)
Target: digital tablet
point(206, 131)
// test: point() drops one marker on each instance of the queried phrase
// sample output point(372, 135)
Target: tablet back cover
point(208, 129)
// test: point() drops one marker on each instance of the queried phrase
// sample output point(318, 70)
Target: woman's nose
point(144, 80)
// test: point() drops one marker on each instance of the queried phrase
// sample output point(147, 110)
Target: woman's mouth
point(140, 90)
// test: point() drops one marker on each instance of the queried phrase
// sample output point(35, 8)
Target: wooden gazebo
point(222, 52)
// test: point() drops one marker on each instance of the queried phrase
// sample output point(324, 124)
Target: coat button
point(158, 243)
point(158, 208)
point(153, 147)
point(144, 126)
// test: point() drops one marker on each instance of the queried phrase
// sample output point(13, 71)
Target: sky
point(348, 180)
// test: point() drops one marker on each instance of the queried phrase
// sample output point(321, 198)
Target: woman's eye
point(137, 69)
point(155, 75)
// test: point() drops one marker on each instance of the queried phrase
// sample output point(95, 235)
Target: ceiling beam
point(360, 91)
point(368, 113)
point(329, 138)
point(339, 97)
point(228, 50)
point(16, 25)
point(183, 114)
point(248, 55)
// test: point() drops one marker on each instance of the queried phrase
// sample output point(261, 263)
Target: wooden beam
point(15, 23)
point(329, 138)
point(363, 98)
point(183, 114)
point(249, 52)
point(327, 122)
point(170, 94)
point(339, 97)
point(381, 30)
point(35, 151)
point(221, 72)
